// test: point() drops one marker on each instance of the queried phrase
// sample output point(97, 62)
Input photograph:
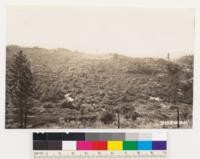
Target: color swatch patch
point(115, 145)
point(130, 145)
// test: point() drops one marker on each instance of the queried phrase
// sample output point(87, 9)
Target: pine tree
point(174, 76)
point(168, 56)
point(20, 81)
point(174, 79)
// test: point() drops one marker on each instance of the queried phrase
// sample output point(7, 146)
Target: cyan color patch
point(144, 145)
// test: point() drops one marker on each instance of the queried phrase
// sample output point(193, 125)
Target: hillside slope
point(105, 88)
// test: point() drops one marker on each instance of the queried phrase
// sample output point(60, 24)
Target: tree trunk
point(118, 120)
point(21, 116)
point(25, 118)
point(178, 118)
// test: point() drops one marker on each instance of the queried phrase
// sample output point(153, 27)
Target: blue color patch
point(144, 145)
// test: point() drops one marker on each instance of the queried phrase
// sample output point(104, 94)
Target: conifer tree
point(21, 87)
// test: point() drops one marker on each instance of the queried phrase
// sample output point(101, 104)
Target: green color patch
point(130, 145)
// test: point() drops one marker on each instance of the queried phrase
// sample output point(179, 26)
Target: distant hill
point(186, 60)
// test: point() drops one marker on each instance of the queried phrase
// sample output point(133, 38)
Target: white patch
point(155, 99)
point(68, 98)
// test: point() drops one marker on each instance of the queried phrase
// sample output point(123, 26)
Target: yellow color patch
point(115, 145)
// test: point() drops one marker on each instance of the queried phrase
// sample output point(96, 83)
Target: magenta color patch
point(84, 145)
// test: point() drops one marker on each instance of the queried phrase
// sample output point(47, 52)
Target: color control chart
point(80, 145)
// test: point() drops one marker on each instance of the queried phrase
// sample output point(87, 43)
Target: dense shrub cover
point(104, 83)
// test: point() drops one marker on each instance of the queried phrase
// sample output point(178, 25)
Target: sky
point(137, 32)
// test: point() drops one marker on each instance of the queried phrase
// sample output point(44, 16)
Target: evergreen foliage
point(20, 82)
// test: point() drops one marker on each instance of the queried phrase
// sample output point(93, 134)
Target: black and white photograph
point(99, 67)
